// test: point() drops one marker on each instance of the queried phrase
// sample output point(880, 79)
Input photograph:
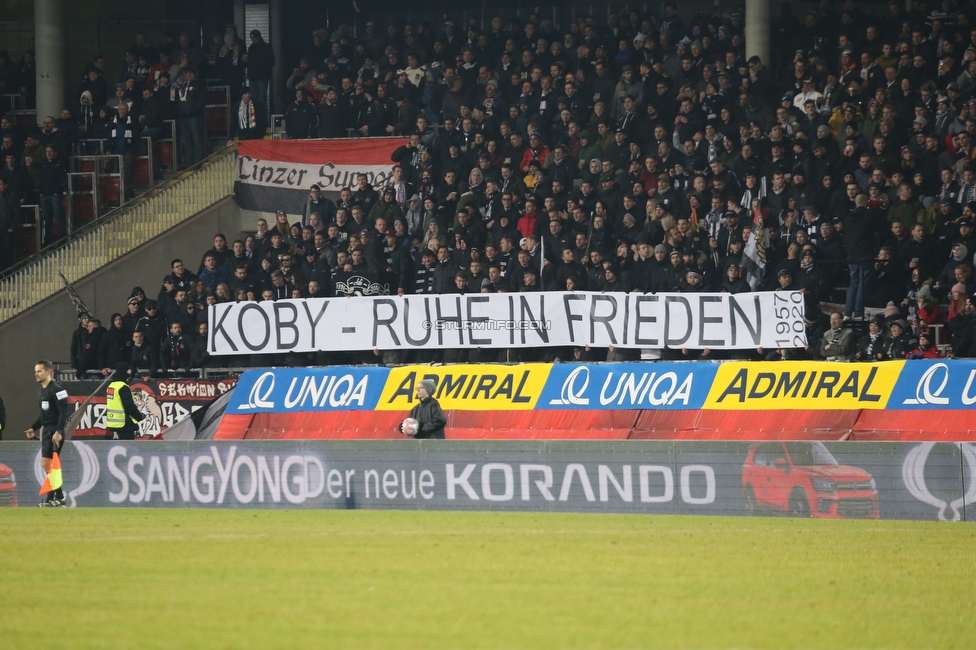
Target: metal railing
point(32, 222)
point(117, 233)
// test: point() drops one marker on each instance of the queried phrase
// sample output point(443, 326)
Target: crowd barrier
point(896, 400)
point(928, 481)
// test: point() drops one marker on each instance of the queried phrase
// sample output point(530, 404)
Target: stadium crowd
point(640, 153)
point(155, 85)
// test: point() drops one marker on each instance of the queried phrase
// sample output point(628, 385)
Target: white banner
point(717, 321)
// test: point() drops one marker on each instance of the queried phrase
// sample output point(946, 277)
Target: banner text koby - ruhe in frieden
point(719, 321)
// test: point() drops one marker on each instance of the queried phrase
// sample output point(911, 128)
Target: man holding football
point(426, 418)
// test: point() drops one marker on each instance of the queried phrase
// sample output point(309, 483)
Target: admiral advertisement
point(719, 321)
point(273, 175)
point(162, 402)
point(926, 481)
point(691, 386)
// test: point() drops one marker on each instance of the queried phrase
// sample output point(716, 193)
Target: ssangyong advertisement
point(927, 480)
point(8, 486)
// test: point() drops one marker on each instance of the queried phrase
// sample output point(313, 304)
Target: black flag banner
point(75, 298)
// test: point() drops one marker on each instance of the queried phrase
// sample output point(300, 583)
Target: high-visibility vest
point(115, 412)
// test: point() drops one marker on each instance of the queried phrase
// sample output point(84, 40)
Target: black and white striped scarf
point(116, 122)
point(247, 117)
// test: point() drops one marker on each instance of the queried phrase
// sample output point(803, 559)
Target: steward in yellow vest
point(121, 415)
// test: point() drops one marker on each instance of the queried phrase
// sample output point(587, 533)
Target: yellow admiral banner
point(481, 387)
point(802, 385)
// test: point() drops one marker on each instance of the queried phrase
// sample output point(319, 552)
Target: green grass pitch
point(233, 579)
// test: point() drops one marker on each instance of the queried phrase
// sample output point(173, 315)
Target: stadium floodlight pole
point(757, 30)
point(277, 81)
point(49, 45)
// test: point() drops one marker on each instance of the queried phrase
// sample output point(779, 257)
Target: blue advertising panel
point(281, 390)
point(932, 384)
point(673, 386)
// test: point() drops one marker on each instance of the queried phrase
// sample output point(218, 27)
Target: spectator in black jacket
point(332, 116)
point(52, 184)
point(89, 348)
point(191, 100)
point(19, 183)
point(145, 357)
point(884, 284)
point(859, 230)
point(260, 60)
point(115, 346)
point(151, 122)
point(301, 118)
point(9, 220)
point(174, 354)
point(123, 136)
point(77, 341)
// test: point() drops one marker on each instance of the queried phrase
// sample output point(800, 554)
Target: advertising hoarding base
point(933, 481)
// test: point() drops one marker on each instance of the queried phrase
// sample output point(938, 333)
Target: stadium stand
point(635, 152)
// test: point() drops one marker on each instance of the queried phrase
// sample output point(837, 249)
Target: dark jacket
point(260, 61)
point(900, 346)
point(114, 347)
point(78, 345)
point(88, 354)
point(53, 179)
point(300, 120)
point(145, 359)
point(860, 227)
point(191, 100)
point(431, 417)
point(175, 353)
point(154, 112)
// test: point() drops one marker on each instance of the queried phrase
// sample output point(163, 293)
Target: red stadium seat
point(166, 153)
point(216, 120)
point(82, 210)
point(108, 189)
point(140, 170)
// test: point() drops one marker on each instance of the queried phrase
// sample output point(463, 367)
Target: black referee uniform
point(53, 401)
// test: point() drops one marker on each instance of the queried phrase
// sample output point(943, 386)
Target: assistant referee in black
point(50, 424)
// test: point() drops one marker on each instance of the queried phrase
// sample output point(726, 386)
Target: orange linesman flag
point(53, 480)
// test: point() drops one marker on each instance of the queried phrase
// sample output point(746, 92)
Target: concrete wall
point(44, 332)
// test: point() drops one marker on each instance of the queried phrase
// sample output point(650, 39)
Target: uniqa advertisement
point(929, 481)
point(733, 385)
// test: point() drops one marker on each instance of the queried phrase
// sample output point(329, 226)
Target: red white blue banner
point(276, 175)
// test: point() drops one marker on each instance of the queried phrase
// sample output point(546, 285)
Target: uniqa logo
point(258, 397)
point(913, 475)
point(923, 390)
point(925, 394)
point(569, 394)
point(89, 471)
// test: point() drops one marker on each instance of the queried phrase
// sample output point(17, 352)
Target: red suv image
point(8, 486)
point(803, 479)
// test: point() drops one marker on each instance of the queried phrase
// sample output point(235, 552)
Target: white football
point(410, 427)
